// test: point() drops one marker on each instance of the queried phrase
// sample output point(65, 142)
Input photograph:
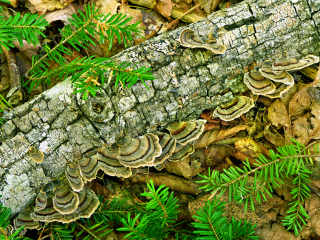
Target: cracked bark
point(64, 127)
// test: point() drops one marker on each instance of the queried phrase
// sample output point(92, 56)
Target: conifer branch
point(289, 161)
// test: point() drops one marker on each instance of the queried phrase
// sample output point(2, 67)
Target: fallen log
point(188, 80)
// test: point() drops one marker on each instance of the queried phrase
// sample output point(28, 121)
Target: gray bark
point(187, 81)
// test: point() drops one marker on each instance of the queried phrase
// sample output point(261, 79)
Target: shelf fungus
point(110, 164)
point(280, 89)
point(168, 144)
point(65, 200)
point(234, 108)
point(185, 132)
point(188, 39)
point(181, 152)
point(24, 219)
point(258, 84)
point(41, 200)
point(7, 231)
point(35, 154)
point(140, 151)
point(88, 203)
point(282, 77)
point(74, 176)
point(293, 64)
point(89, 167)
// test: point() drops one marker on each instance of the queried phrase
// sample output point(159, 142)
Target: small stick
point(174, 22)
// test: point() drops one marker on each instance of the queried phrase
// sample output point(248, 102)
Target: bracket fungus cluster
point(188, 39)
point(234, 108)
point(273, 78)
point(68, 198)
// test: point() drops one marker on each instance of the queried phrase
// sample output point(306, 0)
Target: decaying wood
point(188, 81)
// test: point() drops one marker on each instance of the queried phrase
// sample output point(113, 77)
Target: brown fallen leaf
point(107, 6)
point(99, 189)
point(273, 136)
point(223, 134)
point(42, 6)
point(211, 126)
point(208, 116)
point(307, 127)
point(247, 148)
point(186, 168)
point(300, 103)
point(301, 129)
point(278, 114)
point(206, 138)
point(164, 7)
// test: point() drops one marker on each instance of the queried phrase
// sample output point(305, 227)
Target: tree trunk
point(188, 81)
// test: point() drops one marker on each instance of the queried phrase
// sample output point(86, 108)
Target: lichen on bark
point(188, 81)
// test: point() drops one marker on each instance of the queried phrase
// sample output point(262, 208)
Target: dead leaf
point(315, 121)
point(278, 114)
point(99, 189)
point(273, 136)
point(187, 168)
point(164, 7)
point(107, 6)
point(206, 139)
point(134, 13)
point(286, 97)
point(61, 15)
point(14, 3)
point(215, 156)
point(247, 148)
point(231, 132)
point(308, 126)
point(300, 103)
point(42, 6)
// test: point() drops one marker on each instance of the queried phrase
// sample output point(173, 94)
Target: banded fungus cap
point(41, 200)
point(24, 219)
point(185, 132)
point(181, 152)
point(188, 39)
point(161, 166)
point(88, 203)
point(280, 89)
point(293, 64)
point(283, 76)
point(74, 176)
point(110, 164)
point(65, 200)
point(234, 108)
point(168, 144)
point(7, 231)
point(89, 167)
point(140, 151)
point(258, 84)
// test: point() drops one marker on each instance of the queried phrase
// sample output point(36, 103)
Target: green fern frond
point(21, 27)
point(94, 231)
point(62, 231)
point(113, 211)
point(212, 225)
point(289, 161)
point(157, 219)
point(4, 223)
point(84, 27)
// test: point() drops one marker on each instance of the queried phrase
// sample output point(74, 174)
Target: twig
point(174, 22)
